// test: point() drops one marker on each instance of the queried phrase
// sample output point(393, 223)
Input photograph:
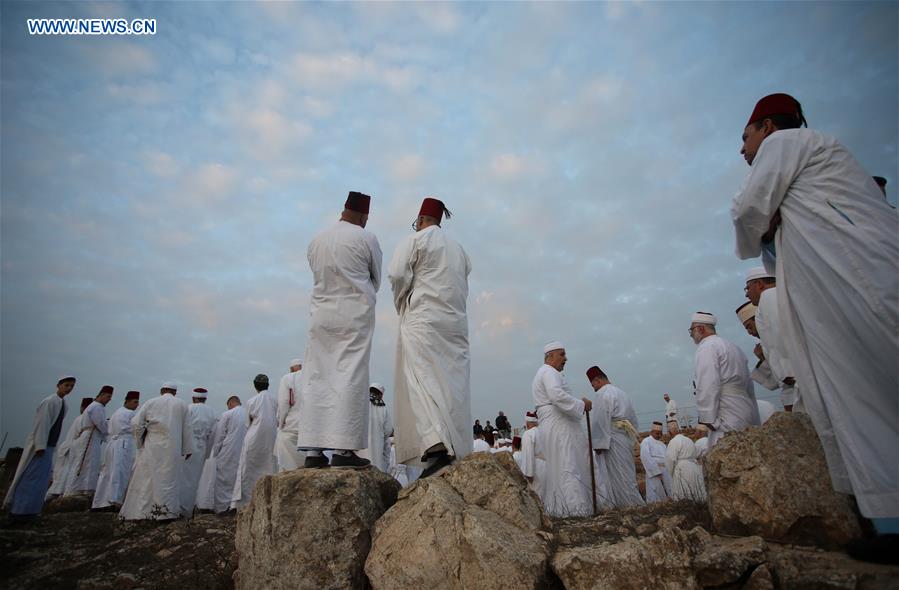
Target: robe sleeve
point(763, 376)
point(671, 456)
point(377, 260)
point(43, 422)
point(779, 160)
point(708, 385)
point(221, 433)
point(400, 273)
point(601, 421)
point(558, 397)
point(187, 439)
point(529, 455)
point(98, 419)
point(650, 464)
point(139, 426)
point(283, 400)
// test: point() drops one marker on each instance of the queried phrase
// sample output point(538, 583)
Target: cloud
point(407, 167)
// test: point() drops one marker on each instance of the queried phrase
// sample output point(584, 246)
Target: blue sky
point(159, 192)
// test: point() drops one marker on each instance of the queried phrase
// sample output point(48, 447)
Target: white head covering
point(65, 376)
point(199, 394)
point(704, 317)
point(295, 362)
point(377, 386)
point(530, 419)
point(169, 385)
point(554, 345)
point(758, 272)
point(746, 311)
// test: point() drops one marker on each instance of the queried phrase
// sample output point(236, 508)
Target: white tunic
point(767, 322)
point(231, 431)
point(686, 474)
point(287, 456)
point(670, 411)
point(86, 450)
point(480, 446)
point(612, 406)
point(702, 447)
point(534, 464)
point(568, 483)
point(257, 457)
point(346, 266)
point(380, 428)
point(118, 459)
point(725, 397)
point(163, 437)
point(46, 415)
point(63, 470)
point(837, 268)
point(202, 420)
point(205, 499)
point(658, 480)
point(429, 277)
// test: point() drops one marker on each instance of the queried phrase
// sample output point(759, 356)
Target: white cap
point(65, 377)
point(295, 362)
point(377, 386)
point(169, 385)
point(746, 311)
point(530, 420)
point(554, 345)
point(758, 272)
point(704, 317)
point(199, 393)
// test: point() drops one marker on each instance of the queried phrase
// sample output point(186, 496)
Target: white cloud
point(406, 167)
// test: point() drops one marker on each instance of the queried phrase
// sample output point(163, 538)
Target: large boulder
point(473, 525)
point(772, 481)
point(311, 528)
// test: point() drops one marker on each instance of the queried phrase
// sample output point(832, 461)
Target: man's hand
point(772, 227)
point(790, 381)
point(588, 405)
point(759, 352)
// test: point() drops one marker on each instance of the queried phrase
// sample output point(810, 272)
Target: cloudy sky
point(159, 192)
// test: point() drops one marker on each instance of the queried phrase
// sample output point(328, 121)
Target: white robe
point(480, 446)
point(767, 322)
point(163, 437)
point(702, 447)
point(670, 411)
point(86, 450)
point(568, 489)
point(63, 471)
point(837, 269)
point(429, 277)
point(286, 453)
point(118, 460)
point(766, 410)
point(612, 405)
point(658, 480)
point(397, 470)
point(534, 464)
point(205, 499)
point(686, 474)
point(231, 430)
point(346, 267)
point(762, 375)
point(257, 458)
point(380, 428)
point(202, 420)
point(46, 415)
point(725, 397)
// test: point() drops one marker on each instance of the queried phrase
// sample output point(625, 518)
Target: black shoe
point(352, 461)
point(315, 461)
point(438, 449)
point(436, 468)
point(880, 549)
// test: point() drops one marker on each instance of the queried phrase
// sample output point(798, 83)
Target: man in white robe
point(202, 420)
point(686, 475)
point(226, 449)
point(380, 429)
point(762, 373)
point(725, 398)
point(702, 443)
point(164, 440)
point(25, 497)
point(568, 481)
point(257, 457)
point(346, 268)
point(614, 425)
point(86, 448)
point(480, 445)
point(118, 456)
point(830, 238)
point(670, 411)
point(63, 470)
point(286, 453)
point(533, 462)
point(652, 456)
point(761, 290)
point(429, 277)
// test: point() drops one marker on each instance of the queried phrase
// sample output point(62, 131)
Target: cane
point(592, 471)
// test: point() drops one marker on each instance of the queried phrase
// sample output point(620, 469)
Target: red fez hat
point(132, 395)
point(775, 104)
point(357, 202)
point(106, 389)
point(434, 208)
point(85, 402)
point(516, 441)
point(200, 390)
point(593, 372)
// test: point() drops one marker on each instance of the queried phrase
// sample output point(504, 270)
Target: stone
point(473, 525)
point(803, 569)
point(772, 481)
point(75, 503)
point(726, 561)
point(311, 528)
point(662, 561)
point(759, 579)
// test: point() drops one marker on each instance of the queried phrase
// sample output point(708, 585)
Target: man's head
point(85, 402)
point(702, 325)
point(260, 382)
point(296, 365)
point(501, 413)
point(554, 355)
point(105, 394)
point(168, 387)
point(233, 402)
point(132, 400)
point(480, 435)
point(65, 385)
point(355, 210)
point(376, 392)
point(772, 113)
point(757, 280)
point(746, 315)
point(666, 397)
point(673, 427)
point(530, 420)
point(703, 430)
point(656, 431)
point(597, 378)
point(199, 395)
point(430, 213)
point(516, 443)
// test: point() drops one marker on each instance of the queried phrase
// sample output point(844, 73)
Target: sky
point(158, 192)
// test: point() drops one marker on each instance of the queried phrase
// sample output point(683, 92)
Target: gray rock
point(727, 560)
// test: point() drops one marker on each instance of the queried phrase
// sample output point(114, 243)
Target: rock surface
point(311, 528)
point(772, 481)
point(475, 524)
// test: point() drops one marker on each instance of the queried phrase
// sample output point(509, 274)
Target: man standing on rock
point(725, 398)
point(164, 440)
point(257, 457)
point(202, 425)
point(652, 456)
point(286, 454)
point(429, 276)
point(346, 267)
point(532, 461)
point(380, 429)
point(118, 456)
point(568, 489)
point(670, 411)
point(686, 474)
point(230, 432)
point(86, 448)
point(614, 424)
point(25, 497)
point(63, 471)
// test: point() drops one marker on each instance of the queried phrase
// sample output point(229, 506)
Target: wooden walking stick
point(592, 470)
